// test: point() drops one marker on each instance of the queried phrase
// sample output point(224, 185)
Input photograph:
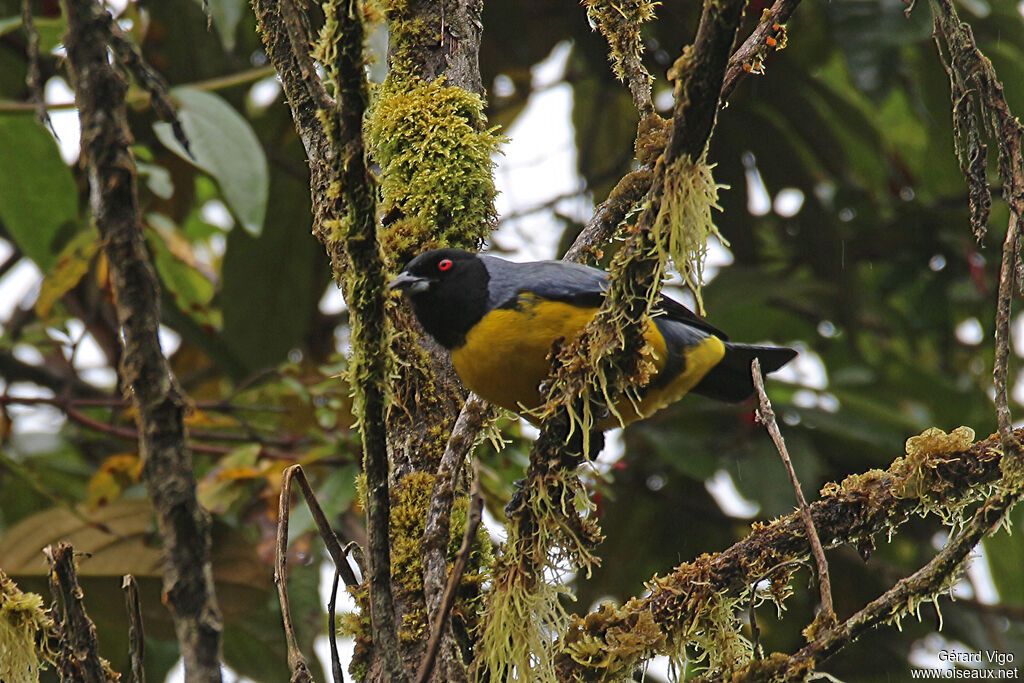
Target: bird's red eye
point(444, 264)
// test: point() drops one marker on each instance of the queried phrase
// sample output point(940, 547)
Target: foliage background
point(877, 275)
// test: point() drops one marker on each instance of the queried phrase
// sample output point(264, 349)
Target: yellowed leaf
point(68, 270)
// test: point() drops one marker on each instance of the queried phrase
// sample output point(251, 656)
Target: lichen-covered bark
point(931, 479)
point(184, 525)
point(433, 85)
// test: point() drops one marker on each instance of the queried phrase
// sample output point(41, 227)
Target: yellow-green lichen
point(625, 636)
point(684, 222)
point(523, 608)
point(24, 625)
point(435, 153)
point(917, 475)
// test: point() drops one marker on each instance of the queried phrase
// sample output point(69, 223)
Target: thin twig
point(130, 434)
point(296, 661)
point(79, 658)
point(437, 629)
point(767, 418)
point(136, 634)
point(768, 36)
point(327, 533)
point(332, 631)
point(438, 525)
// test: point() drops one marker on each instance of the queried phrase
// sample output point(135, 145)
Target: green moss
point(356, 625)
point(410, 500)
point(435, 152)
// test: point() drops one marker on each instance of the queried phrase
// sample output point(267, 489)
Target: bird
point(500, 319)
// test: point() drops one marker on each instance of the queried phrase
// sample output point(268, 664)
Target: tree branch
point(136, 633)
point(850, 512)
point(184, 525)
point(979, 104)
point(768, 36)
point(635, 184)
point(79, 657)
point(439, 620)
point(903, 599)
point(297, 664)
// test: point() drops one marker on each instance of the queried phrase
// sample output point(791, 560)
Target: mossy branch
point(184, 525)
point(942, 474)
point(652, 137)
point(550, 513)
point(344, 199)
point(620, 22)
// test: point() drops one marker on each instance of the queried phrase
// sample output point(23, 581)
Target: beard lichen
point(435, 152)
point(523, 613)
point(24, 629)
point(684, 220)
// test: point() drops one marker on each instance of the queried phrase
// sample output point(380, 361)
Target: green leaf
point(191, 291)
point(224, 145)
point(37, 193)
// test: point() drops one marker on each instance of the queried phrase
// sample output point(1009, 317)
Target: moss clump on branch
point(939, 467)
point(435, 151)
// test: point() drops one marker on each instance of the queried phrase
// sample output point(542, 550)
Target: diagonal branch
point(903, 599)
point(946, 472)
point(184, 525)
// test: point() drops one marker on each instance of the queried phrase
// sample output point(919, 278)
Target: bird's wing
point(573, 283)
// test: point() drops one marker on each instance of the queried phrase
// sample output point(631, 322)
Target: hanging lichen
point(684, 221)
point(523, 612)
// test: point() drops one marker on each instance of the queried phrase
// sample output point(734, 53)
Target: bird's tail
point(730, 380)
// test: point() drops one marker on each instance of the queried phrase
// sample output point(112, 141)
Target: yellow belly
point(504, 358)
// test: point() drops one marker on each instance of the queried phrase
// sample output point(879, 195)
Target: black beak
point(407, 282)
